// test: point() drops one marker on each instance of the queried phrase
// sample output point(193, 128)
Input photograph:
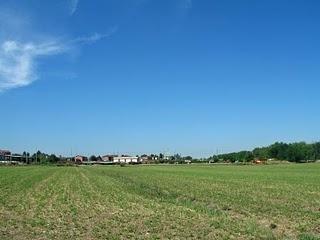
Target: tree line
point(292, 152)
point(37, 158)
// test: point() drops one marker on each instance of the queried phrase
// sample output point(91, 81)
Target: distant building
point(120, 159)
point(80, 159)
point(144, 158)
point(5, 155)
point(126, 159)
point(108, 158)
point(149, 158)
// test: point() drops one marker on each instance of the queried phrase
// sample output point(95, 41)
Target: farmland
point(161, 202)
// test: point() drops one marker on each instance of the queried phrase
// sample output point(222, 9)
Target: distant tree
point(249, 157)
point(93, 158)
point(36, 156)
point(176, 157)
point(53, 158)
point(42, 157)
point(24, 155)
point(299, 152)
point(261, 153)
point(27, 157)
point(279, 151)
point(316, 150)
point(294, 152)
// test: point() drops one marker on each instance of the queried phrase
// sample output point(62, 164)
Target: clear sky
point(141, 76)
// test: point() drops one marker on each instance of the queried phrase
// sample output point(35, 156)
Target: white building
point(120, 159)
point(125, 159)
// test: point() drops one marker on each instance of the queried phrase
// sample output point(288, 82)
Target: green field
point(161, 202)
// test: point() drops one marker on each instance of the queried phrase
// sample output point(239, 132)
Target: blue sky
point(142, 76)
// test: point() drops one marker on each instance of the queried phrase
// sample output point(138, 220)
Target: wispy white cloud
point(94, 37)
point(73, 6)
point(18, 62)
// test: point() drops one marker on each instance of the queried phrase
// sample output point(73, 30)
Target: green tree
point(316, 150)
point(261, 153)
point(52, 158)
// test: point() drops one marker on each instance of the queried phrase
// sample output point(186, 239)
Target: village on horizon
point(6, 156)
point(290, 152)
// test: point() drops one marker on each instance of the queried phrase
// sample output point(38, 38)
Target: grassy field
point(160, 202)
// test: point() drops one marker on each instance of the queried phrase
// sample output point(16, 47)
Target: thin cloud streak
point(187, 4)
point(94, 37)
point(73, 6)
point(18, 60)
